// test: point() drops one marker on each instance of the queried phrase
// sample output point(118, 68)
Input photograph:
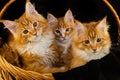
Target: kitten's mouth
point(34, 39)
point(64, 40)
point(94, 52)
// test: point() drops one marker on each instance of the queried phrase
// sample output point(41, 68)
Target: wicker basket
point(10, 72)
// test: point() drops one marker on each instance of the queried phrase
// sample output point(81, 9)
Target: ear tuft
point(30, 9)
point(31, 12)
point(52, 20)
point(68, 18)
point(79, 27)
point(102, 25)
point(10, 25)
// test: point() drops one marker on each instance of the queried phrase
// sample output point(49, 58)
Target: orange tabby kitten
point(63, 29)
point(91, 42)
point(33, 39)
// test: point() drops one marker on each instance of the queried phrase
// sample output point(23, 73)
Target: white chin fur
point(39, 47)
point(104, 51)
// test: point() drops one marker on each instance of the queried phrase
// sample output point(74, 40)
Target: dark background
point(107, 68)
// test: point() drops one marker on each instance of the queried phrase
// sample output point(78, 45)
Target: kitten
point(63, 29)
point(92, 41)
point(33, 39)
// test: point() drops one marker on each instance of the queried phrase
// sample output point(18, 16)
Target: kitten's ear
point(79, 27)
point(68, 18)
point(52, 20)
point(102, 25)
point(30, 11)
point(10, 25)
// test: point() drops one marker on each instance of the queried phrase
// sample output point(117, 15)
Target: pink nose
point(63, 38)
point(94, 49)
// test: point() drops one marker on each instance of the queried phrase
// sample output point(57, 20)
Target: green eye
point(87, 41)
point(99, 40)
point(25, 31)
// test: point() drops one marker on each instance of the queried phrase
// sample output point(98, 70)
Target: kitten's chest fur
point(41, 47)
point(79, 57)
point(64, 47)
point(41, 53)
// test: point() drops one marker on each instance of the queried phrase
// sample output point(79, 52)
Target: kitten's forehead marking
point(25, 22)
point(91, 30)
point(61, 26)
point(92, 34)
point(61, 23)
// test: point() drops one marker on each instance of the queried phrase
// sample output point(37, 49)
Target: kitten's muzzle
point(94, 50)
point(63, 38)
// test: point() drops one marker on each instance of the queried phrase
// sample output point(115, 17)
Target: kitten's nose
point(94, 50)
point(63, 38)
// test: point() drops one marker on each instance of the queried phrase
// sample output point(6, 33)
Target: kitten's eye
point(87, 41)
point(25, 31)
point(68, 29)
point(57, 31)
point(35, 24)
point(99, 40)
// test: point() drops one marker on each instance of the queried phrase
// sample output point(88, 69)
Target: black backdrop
point(107, 68)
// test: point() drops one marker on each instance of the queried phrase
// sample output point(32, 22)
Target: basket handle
point(115, 15)
point(5, 7)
